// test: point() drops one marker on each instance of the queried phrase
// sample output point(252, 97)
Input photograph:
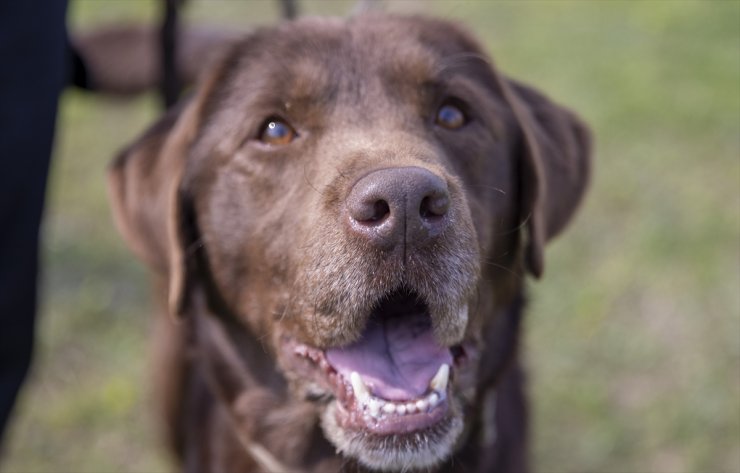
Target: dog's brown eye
point(450, 116)
point(276, 132)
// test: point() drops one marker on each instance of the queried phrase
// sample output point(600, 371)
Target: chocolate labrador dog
point(341, 218)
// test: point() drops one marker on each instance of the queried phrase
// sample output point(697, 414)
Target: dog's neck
point(273, 428)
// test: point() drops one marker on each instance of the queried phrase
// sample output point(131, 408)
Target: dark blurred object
point(33, 65)
point(170, 86)
point(126, 59)
point(289, 9)
point(131, 59)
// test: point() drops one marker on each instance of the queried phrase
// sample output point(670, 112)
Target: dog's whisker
point(515, 229)
point(501, 266)
point(484, 186)
point(308, 181)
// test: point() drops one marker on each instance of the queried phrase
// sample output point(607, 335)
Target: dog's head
point(363, 196)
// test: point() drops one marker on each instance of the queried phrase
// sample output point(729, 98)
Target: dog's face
point(356, 192)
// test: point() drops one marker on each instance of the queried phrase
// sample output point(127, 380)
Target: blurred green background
point(633, 337)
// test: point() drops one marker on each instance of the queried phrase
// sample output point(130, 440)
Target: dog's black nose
point(398, 206)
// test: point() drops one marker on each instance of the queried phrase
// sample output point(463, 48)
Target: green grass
point(633, 337)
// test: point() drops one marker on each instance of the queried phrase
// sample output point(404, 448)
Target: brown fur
point(249, 243)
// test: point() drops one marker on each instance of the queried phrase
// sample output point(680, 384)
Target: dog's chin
point(395, 449)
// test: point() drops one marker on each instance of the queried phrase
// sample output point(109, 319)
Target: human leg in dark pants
point(33, 59)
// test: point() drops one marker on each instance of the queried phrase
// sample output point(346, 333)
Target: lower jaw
point(386, 449)
point(393, 425)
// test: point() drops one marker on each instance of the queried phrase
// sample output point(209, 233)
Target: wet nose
point(398, 206)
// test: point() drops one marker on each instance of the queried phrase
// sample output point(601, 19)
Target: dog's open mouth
point(394, 379)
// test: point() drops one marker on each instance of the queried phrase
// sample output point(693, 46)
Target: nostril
point(369, 211)
point(381, 210)
point(434, 207)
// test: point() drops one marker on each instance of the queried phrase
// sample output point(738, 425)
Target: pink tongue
point(396, 357)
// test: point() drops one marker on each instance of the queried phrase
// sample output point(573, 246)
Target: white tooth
point(358, 386)
point(389, 408)
point(401, 409)
point(374, 407)
point(433, 399)
point(410, 407)
point(439, 382)
point(422, 405)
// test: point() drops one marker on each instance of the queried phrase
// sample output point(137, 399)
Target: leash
point(230, 379)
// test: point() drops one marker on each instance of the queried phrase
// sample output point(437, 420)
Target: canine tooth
point(433, 399)
point(389, 408)
point(410, 407)
point(439, 382)
point(358, 386)
point(422, 405)
point(401, 409)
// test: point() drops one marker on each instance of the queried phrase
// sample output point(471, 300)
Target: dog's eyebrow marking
point(307, 81)
point(459, 59)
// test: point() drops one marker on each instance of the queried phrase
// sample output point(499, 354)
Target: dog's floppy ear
point(555, 153)
point(144, 184)
point(144, 188)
